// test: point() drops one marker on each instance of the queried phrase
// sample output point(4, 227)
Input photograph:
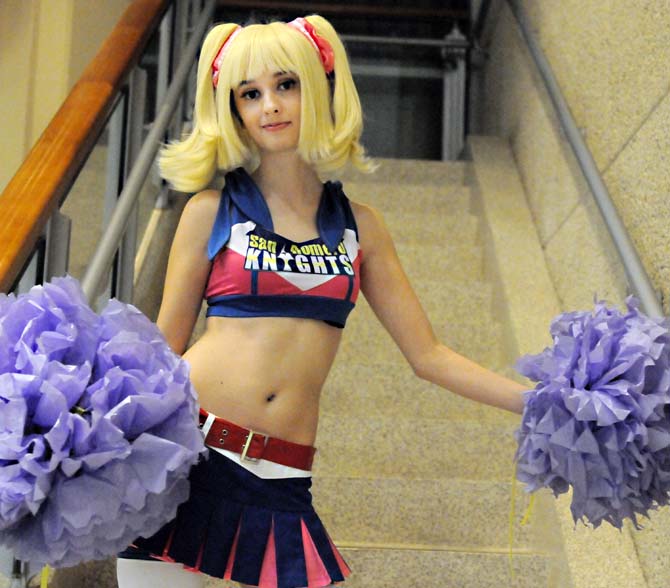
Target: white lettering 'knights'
point(309, 258)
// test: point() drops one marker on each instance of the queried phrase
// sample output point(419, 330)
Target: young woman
point(280, 257)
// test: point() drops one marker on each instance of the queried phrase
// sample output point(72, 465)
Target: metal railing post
point(57, 245)
point(50, 256)
point(453, 103)
point(164, 74)
point(33, 273)
point(164, 70)
point(134, 125)
point(180, 36)
point(189, 90)
point(116, 157)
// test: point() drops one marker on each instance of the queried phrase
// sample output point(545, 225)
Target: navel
point(271, 397)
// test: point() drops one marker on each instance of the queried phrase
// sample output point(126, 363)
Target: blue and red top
point(256, 272)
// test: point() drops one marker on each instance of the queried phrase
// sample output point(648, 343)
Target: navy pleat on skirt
point(256, 531)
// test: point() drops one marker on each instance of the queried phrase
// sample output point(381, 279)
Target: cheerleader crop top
point(256, 272)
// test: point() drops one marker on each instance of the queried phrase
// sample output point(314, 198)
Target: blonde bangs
point(261, 48)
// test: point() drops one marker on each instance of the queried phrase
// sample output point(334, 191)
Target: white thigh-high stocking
point(138, 573)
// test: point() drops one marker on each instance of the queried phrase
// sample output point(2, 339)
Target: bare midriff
point(264, 373)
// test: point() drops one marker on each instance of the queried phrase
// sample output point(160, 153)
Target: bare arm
point(187, 271)
point(387, 289)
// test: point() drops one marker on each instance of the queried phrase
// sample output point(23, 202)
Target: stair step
point(471, 334)
point(98, 573)
point(393, 390)
point(366, 341)
point(451, 513)
point(389, 447)
point(388, 567)
point(430, 261)
point(389, 197)
point(456, 300)
point(377, 566)
point(458, 295)
point(410, 171)
point(426, 227)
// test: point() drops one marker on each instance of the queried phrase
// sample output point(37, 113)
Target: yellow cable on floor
point(45, 577)
point(526, 516)
point(512, 516)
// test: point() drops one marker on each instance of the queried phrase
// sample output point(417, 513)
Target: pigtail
point(346, 107)
point(190, 164)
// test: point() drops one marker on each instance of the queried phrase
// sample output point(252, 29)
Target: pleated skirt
point(256, 531)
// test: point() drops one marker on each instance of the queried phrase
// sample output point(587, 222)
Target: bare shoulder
point(371, 226)
point(197, 220)
point(202, 206)
point(368, 219)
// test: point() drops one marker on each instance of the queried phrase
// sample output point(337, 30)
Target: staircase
point(413, 482)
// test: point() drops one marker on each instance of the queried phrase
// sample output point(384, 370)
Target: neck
point(286, 175)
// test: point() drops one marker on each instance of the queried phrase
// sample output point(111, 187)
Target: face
point(269, 106)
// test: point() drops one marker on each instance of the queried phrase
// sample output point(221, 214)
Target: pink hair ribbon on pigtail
point(322, 46)
point(218, 60)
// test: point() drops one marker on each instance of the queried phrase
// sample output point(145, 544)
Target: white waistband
point(261, 468)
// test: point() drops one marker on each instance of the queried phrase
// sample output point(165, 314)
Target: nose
point(270, 103)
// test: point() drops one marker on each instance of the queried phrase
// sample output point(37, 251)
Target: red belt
point(252, 445)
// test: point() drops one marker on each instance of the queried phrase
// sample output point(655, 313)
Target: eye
point(288, 84)
point(250, 94)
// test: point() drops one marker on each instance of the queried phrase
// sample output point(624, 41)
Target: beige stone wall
point(49, 78)
point(610, 59)
point(91, 23)
point(17, 48)
point(45, 46)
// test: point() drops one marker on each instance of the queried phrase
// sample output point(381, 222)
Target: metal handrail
point(479, 20)
point(110, 240)
point(445, 43)
point(637, 275)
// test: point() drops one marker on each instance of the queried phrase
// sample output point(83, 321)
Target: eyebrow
point(275, 75)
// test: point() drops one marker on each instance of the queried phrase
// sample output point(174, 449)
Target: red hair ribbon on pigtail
point(322, 46)
point(218, 60)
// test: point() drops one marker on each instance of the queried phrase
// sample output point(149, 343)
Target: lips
point(276, 126)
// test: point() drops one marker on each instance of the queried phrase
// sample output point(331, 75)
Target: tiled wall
point(611, 61)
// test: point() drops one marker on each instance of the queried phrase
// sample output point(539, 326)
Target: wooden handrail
point(52, 165)
point(348, 8)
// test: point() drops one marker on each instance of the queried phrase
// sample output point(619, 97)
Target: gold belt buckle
point(247, 444)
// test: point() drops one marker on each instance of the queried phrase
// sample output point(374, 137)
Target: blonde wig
point(331, 119)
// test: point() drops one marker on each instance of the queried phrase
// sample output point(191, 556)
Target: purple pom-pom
point(48, 340)
point(598, 419)
point(98, 426)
